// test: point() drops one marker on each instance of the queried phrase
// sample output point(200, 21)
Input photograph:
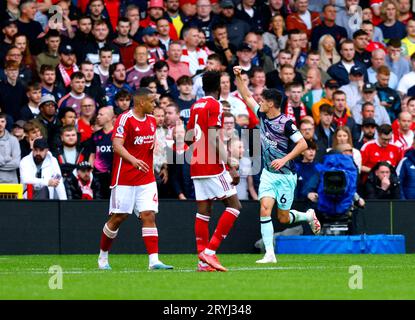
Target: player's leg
point(267, 195)
point(285, 198)
point(109, 233)
point(146, 206)
point(120, 208)
point(224, 226)
point(204, 212)
point(267, 229)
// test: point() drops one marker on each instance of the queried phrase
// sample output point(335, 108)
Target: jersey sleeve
point(291, 131)
point(215, 114)
point(119, 129)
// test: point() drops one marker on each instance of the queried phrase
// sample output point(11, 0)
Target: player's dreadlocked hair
point(273, 95)
point(211, 82)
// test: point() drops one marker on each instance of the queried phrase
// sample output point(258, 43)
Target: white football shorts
point(129, 199)
point(212, 188)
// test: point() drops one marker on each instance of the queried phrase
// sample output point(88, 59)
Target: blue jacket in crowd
point(406, 173)
point(338, 72)
point(307, 179)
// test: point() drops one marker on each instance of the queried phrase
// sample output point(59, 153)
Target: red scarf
point(289, 111)
point(66, 74)
point(87, 193)
point(340, 121)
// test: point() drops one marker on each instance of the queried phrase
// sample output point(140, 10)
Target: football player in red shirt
point(133, 186)
point(210, 177)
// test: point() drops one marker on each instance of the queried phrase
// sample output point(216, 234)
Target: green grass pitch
point(293, 277)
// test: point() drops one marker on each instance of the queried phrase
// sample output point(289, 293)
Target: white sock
point(203, 264)
point(298, 216)
point(103, 255)
point(153, 259)
point(267, 232)
point(209, 252)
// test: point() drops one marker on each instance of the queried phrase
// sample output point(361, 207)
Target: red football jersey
point(139, 137)
point(204, 113)
point(372, 153)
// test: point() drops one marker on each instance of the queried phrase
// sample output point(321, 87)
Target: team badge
point(120, 130)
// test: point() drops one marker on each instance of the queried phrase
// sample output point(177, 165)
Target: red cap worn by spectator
point(183, 2)
point(156, 4)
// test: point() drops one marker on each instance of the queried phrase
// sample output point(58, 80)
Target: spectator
point(152, 42)
point(340, 71)
point(66, 67)
point(221, 45)
point(86, 118)
point(408, 80)
point(192, 55)
point(101, 151)
point(12, 91)
point(361, 40)
point(165, 84)
point(70, 153)
point(259, 58)
point(286, 75)
point(341, 116)
point(9, 29)
point(383, 183)
point(28, 26)
point(389, 98)
point(406, 175)
point(163, 29)
point(328, 52)
point(294, 108)
point(303, 19)
point(307, 174)
point(405, 13)
point(404, 136)
point(117, 81)
point(378, 60)
point(307, 128)
point(9, 153)
point(31, 110)
point(214, 63)
point(238, 107)
point(132, 13)
point(330, 87)
point(27, 62)
point(313, 89)
point(31, 132)
point(122, 102)
point(92, 84)
point(328, 27)
point(229, 131)
point(294, 45)
point(25, 74)
point(368, 131)
point(96, 10)
point(391, 26)
point(178, 167)
point(83, 36)
point(50, 56)
point(17, 129)
point(83, 185)
point(47, 76)
point(125, 45)
point(313, 62)
point(176, 16)
point(101, 33)
point(47, 118)
point(102, 69)
point(408, 47)
point(185, 99)
point(324, 131)
point(397, 63)
point(176, 67)
point(237, 28)
point(41, 174)
point(344, 17)
point(343, 135)
point(374, 34)
point(160, 152)
point(76, 95)
point(154, 13)
point(141, 68)
point(369, 95)
point(379, 150)
point(276, 38)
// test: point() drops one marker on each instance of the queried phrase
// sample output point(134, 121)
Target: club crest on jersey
point(120, 131)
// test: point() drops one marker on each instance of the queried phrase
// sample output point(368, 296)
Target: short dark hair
point(122, 94)
point(228, 115)
point(326, 108)
point(359, 33)
point(311, 144)
point(63, 111)
point(395, 42)
point(273, 95)
point(256, 69)
point(218, 26)
point(46, 67)
point(33, 86)
point(52, 33)
point(215, 56)
point(184, 80)
point(67, 129)
point(145, 81)
point(290, 85)
point(211, 81)
point(77, 75)
point(384, 129)
point(123, 19)
point(105, 49)
point(338, 93)
point(3, 115)
point(367, 104)
point(160, 65)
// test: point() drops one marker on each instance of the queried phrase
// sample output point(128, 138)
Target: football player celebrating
point(281, 143)
point(210, 177)
point(133, 186)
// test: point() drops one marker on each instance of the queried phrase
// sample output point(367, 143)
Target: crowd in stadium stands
point(347, 75)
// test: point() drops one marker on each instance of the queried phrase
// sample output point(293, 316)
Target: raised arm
point(244, 91)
